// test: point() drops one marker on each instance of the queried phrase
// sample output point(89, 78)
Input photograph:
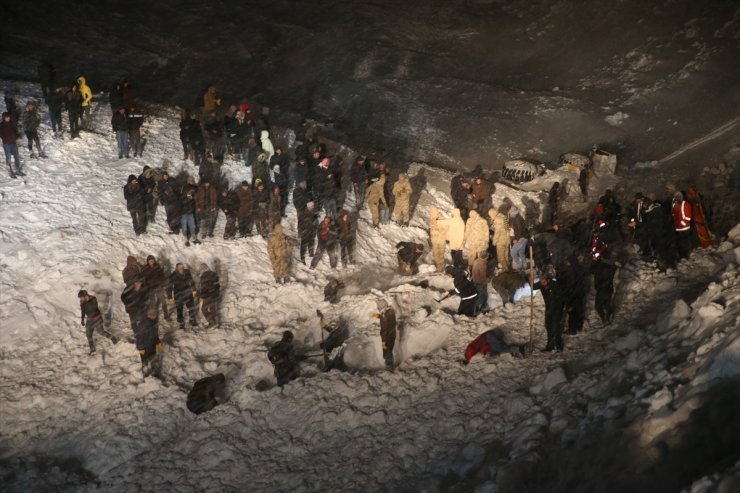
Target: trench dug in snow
point(79, 422)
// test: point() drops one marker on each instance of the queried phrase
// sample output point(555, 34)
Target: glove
point(171, 301)
point(375, 315)
point(159, 346)
point(385, 347)
point(194, 292)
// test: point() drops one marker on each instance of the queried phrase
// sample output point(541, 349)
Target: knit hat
point(245, 183)
point(150, 257)
point(81, 293)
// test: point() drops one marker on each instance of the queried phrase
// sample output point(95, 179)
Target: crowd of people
point(484, 242)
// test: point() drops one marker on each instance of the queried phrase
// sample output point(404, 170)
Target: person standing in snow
point(181, 292)
point(92, 319)
point(86, 94)
point(375, 196)
point(149, 183)
point(463, 288)
point(283, 359)
point(171, 201)
point(682, 213)
point(584, 177)
point(273, 209)
point(603, 271)
point(206, 207)
point(358, 175)
point(554, 306)
point(136, 299)
point(387, 316)
point(154, 277)
point(519, 239)
point(307, 228)
point(479, 277)
point(280, 250)
point(209, 292)
point(460, 193)
point(187, 210)
point(228, 202)
point(244, 216)
point(660, 235)
point(455, 227)
point(74, 110)
point(501, 236)
point(280, 181)
point(402, 194)
point(346, 227)
point(135, 122)
point(636, 222)
point(131, 271)
point(572, 279)
point(408, 254)
point(325, 188)
point(553, 202)
point(438, 239)
point(261, 201)
point(476, 235)
point(55, 102)
point(266, 144)
point(119, 122)
point(326, 236)
point(148, 343)
point(479, 194)
point(186, 122)
point(31, 122)
point(700, 219)
point(9, 136)
point(135, 197)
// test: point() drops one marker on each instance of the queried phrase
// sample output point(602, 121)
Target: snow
point(85, 423)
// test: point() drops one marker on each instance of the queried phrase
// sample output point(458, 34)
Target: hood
point(81, 81)
point(473, 215)
point(148, 173)
point(433, 212)
point(456, 213)
point(191, 180)
point(131, 178)
point(262, 157)
point(278, 229)
point(204, 268)
point(402, 177)
point(151, 257)
point(493, 213)
point(264, 135)
point(130, 261)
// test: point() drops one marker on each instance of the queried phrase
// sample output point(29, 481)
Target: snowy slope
point(80, 423)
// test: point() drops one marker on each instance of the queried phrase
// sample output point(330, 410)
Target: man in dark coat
point(136, 299)
point(55, 102)
point(119, 122)
point(326, 236)
point(282, 356)
point(148, 181)
point(92, 319)
point(135, 122)
point(167, 191)
point(210, 293)
point(148, 343)
point(9, 136)
point(131, 271)
point(572, 278)
point(460, 193)
point(554, 306)
point(154, 278)
point(464, 288)
point(181, 291)
point(301, 196)
point(603, 270)
point(408, 253)
point(358, 175)
point(307, 227)
point(135, 197)
point(244, 196)
point(345, 223)
point(197, 142)
point(658, 225)
point(206, 207)
point(228, 202)
point(260, 202)
point(387, 316)
point(74, 110)
point(31, 122)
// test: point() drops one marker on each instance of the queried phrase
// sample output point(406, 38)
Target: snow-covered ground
point(73, 422)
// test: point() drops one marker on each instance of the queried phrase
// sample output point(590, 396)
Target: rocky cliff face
point(453, 83)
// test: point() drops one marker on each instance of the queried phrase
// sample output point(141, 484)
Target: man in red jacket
point(682, 224)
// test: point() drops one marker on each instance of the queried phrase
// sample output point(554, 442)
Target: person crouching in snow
point(463, 288)
point(92, 319)
point(408, 254)
point(282, 357)
point(491, 342)
point(281, 251)
point(205, 393)
point(387, 316)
